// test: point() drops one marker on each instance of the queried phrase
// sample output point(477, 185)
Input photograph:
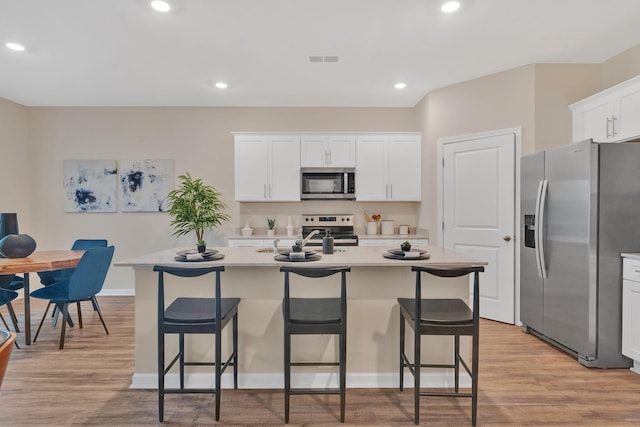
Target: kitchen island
point(373, 285)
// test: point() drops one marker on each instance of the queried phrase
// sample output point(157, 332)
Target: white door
point(478, 197)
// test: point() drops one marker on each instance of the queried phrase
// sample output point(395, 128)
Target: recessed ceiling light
point(450, 6)
point(221, 85)
point(400, 85)
point(15, 46)
point(160, 6)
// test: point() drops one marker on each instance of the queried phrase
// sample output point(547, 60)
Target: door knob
point(506, 238)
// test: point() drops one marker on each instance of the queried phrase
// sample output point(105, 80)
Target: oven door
point(325, 183)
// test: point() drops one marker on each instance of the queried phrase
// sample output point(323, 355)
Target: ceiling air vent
point(320, 59)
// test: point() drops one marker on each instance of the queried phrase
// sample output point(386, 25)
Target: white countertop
point(355, 256)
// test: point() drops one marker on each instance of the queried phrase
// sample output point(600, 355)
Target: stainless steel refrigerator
point(581, 208)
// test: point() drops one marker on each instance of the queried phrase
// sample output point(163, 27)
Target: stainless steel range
point(341, 227)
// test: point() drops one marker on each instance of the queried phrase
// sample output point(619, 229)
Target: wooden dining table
point(34, 263)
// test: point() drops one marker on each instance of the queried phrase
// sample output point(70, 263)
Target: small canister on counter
point(386, 227)
point(327, 243)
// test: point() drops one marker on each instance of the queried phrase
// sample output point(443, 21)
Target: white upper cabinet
point(388, 168)
point(267, 168)
point(334, 151)
point(612, 115)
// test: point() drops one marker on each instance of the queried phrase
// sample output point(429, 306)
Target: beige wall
point(621, 67)
point(15, 170)
point(499, 101)
point(556, 87)
point(200, 142)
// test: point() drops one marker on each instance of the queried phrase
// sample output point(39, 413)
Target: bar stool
point(442, 317)
point(195, 316)
point(315, 316)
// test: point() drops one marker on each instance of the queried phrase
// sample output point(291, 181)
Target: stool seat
point(198, 310)
point(444, 311)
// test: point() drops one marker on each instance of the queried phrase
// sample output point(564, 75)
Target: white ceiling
point(123, 53)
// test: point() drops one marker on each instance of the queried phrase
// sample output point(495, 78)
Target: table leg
point(27, 311)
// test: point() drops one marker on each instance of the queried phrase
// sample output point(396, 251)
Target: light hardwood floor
point(523, 381)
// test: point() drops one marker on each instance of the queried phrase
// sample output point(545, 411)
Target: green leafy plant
point(271, 222)
point(195, 206)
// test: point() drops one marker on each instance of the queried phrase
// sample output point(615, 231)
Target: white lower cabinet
point(631, 311)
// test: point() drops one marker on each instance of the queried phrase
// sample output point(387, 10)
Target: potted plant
point(195, 206)
point(405, 246)
point(271, 223)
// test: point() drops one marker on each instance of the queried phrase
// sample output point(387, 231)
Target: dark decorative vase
point(405, 247)
point(202, 248)
point(8, 225)
point(17, 246)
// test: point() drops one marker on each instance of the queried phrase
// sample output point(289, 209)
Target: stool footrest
point(314, 391)
point(189, 390)
point(444, 394)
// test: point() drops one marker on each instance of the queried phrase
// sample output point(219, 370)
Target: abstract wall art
point(89, 185)
point(145, 185)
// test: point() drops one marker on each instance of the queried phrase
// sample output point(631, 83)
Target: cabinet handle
point(391, 191)
point(613, 126)
point(264, 190)
point(608, 121)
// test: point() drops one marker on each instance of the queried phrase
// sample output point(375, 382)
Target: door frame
point(517, 132)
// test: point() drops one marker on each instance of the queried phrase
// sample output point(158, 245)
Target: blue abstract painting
point(89, 185)
point(145, 185)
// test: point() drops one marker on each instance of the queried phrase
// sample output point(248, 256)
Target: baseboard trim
point(117, 293)
point(275, 381)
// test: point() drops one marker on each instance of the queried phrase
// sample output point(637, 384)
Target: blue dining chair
point(6, 296)
point(11, 282)
point(50, 277)
point(83, 284)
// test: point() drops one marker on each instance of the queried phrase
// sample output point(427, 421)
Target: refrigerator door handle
point(536, 237)
point(540, 226)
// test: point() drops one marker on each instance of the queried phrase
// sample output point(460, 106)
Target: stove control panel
point(327, 220)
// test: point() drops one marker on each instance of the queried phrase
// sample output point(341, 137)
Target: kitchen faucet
point(301, 242)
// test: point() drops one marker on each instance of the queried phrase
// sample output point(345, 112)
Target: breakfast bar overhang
point(373, 286)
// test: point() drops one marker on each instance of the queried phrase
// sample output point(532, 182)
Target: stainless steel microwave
point(328, 184)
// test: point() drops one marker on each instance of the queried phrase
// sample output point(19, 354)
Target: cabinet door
point(284, 168)
point(372, 168)
point(342, 151)
point(626, 116)
point(250, 168)
point(313, 151)
point(405, 168)
point(594, 119)
point(631, 319)
point(375, 242)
